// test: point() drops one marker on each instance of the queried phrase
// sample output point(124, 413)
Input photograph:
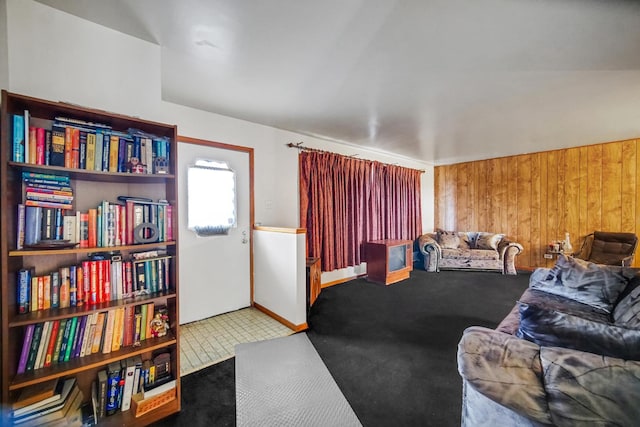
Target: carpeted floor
point(391, 349)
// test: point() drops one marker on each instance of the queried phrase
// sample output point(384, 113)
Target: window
point(211, 198)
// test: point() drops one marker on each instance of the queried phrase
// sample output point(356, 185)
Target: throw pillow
point(488, 240)
point(448, 239)
point(551, 328)
point(627, 311)
point(593, 284)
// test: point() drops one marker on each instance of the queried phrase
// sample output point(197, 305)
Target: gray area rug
point(283, 382)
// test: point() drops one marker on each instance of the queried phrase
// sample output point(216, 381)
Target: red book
point(75, 148)
point(52, 343)
point(129, 326)
point(99, 281)
point(92, 228)
point(93, 282)
point(40, 147)
point(84, 230)
point(106, 289)
point(86, 281)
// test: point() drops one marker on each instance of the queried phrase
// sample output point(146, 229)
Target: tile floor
point(209, 341)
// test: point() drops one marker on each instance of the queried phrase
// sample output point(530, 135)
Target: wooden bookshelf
point(89, 187)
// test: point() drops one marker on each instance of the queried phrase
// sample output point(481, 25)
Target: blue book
point(32, 225)
point(18, 138)
point(113, 387)
point(73, 287)
point(24, 290)
point(99, 148)
point(106, 147)
point(77, 340)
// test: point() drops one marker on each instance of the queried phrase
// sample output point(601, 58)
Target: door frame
point(249, 151)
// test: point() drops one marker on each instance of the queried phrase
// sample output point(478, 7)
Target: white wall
point(57, 56)
point(280, 283)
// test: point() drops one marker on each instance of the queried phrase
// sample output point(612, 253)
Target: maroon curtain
point(345, 202)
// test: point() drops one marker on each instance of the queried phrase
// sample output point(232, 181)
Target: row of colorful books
point(79, 144)
point(56, 402)
point(58, 341)
point(107, 225)
point(116, 386)
point(100, 279)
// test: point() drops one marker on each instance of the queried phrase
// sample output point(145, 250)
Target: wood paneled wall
point(536, 198)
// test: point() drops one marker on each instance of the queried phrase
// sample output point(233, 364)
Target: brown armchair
point(603, 247)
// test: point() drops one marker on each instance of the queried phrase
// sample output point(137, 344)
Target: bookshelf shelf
point(19, 320)
point(79, 365)
point(86, 189)
point(50, 252)
point(98, 176)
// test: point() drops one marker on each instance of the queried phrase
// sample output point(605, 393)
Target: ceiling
point(441, 81)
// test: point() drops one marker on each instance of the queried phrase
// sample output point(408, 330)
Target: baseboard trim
point(285, 322)
point(343, 280)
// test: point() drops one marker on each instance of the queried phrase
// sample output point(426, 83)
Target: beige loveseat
point(468, 250)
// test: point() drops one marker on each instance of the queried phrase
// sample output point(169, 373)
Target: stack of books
point(51, 403)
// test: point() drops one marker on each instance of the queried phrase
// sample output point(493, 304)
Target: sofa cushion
point(448, 239)
point(552, 328)
point(588, 389)
point(487, 241)
point(470, 254)
point(586, 282)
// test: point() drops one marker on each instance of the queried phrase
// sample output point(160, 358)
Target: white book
point(69, 228)
point(85, 338)
point(136, 379)
point(44, 343)
point(129, 381)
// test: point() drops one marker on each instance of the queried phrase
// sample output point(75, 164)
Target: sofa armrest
point(626, 262)
point(505, 369)
point(430, 250)
point(508, 251)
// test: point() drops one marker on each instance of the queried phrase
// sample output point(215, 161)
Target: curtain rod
point(299, 146)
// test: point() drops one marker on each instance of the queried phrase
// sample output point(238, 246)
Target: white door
point(215, 270)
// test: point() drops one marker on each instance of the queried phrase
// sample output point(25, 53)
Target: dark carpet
point(391, 349)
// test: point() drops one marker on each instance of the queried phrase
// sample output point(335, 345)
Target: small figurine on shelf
point(159, 324)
